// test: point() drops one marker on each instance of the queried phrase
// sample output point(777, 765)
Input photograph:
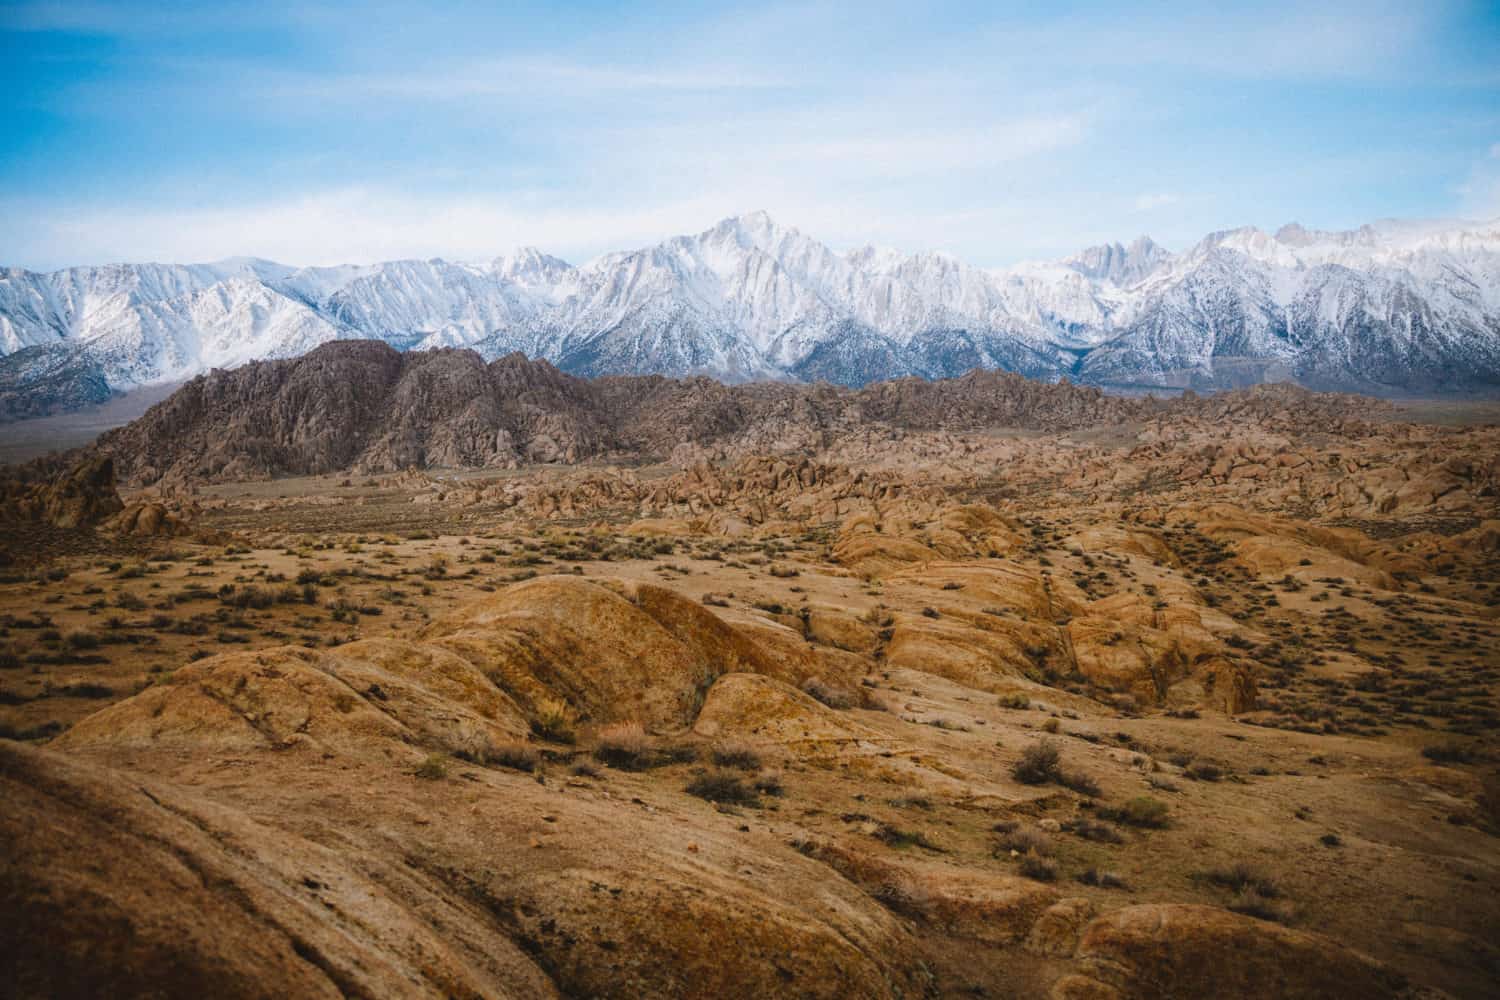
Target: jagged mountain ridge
point(366, 407)
point(1387, 307)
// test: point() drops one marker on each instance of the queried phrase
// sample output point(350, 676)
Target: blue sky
point(322, 133)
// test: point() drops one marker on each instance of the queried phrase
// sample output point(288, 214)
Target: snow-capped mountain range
point(1393, 306)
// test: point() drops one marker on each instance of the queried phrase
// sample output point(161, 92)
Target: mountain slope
point(365, 406)
point(1387, 307)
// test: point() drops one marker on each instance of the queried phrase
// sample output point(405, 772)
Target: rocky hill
point(366, 407)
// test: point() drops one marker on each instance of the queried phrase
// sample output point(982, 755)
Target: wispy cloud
point(312, 132)
point(363, 224)
point(1479, 191)
point(358, 225)
point(541, 80)
point(843, 144)
point(1151, 202)
point(1292, 41)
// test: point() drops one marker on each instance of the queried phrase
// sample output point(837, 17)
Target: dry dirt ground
point(1013, 715)
point(23, 440)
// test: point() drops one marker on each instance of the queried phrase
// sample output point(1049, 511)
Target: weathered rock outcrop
point(81, 497)
point(519, 891)
point(363, 405)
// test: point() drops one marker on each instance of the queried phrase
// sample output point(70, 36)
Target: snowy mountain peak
point(755, 230)
point(1294, 234)
point(873, 258)
point(1392, 304)
point(1120, 265)
point(530, 268)
point(1249, 241)
point(758, 223)
point(742, 228)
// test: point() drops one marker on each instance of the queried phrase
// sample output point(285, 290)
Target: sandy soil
point(1309, 704)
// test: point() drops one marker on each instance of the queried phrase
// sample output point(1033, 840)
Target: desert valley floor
point(1201, 704)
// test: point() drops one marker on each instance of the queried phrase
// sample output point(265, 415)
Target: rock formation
point(362, 405)
point(81, 497)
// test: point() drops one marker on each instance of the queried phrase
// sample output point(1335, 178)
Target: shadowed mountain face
point(1388, 308)
point(364, 406)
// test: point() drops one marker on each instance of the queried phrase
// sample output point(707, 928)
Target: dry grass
point(553, 721)
point(737, 755)
point(723, 787)
point(624, 745)
point(516, 756)
point(1038, 764)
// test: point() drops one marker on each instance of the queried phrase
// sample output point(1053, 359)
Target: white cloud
point(1479, 194)
point(829, 148)
point(1152, 201)
point(353, 225)
point(1479, 191)
point(847, 174)
point(1363, 39)
point(367, 224)
point(957, 133)
point(538, 80)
